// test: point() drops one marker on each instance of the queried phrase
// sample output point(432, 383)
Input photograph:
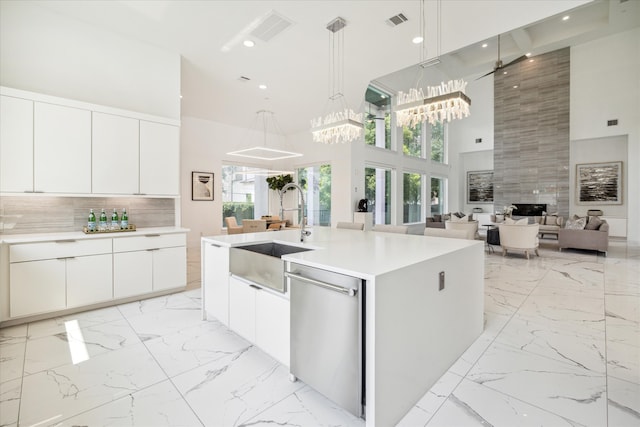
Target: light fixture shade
point(445, 102)
point(264, 153)
point(337, 127)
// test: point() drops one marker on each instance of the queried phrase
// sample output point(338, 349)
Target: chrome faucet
point(303, 220)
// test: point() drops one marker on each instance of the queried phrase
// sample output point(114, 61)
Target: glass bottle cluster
point(116, 223)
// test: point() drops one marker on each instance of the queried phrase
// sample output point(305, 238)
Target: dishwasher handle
point(347, 291)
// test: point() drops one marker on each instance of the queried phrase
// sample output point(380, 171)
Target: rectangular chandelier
point(343, 126)
point(445, 102)
point(264, 153)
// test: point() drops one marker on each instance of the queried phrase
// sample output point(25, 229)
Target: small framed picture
point(201, 186)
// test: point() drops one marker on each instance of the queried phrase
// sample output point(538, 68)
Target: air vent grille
point(270, 26)
point(397, 20)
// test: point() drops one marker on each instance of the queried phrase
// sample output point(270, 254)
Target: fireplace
point(529, 209)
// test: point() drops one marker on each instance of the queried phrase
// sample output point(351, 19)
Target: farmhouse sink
point(261, 263)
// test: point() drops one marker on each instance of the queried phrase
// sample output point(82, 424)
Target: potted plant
point(278, 182)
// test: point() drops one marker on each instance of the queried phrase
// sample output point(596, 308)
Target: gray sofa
point(595, 240)
point(549, 224)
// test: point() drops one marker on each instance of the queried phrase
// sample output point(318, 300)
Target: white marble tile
point(194, 295)
point(168, 320)
point(623, 355)
point(157, 405)
point(472, 404)
point(13, 334)
point(11, 361)
point(56, 394)
point(559, 308)
point(562, 388)
point(195, 346)
point(624, 403)
point(305, 407)
point(153, 305)
point(623, 307)
point(422, 412)
point(56, 350)
point(236, 388)
point(471, 355)
point(87, 318)
point(580, 346)
point(579, 276)
point(10, 402)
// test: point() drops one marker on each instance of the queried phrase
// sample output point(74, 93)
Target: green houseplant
point(278, 182)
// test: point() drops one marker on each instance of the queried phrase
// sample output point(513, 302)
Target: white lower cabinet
point(215, 281)
point(169, 268)
point(261, 317)
point(89, 280)
point(132, 273)
point(37, 287)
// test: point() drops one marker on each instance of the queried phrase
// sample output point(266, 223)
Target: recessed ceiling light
point(528, 54)
point(417, 40)
point(248, 43)
point(531, 60)
point(263, 87)
point(484, 45)
point(565, 18)
point(515, 86)
point(504, 72)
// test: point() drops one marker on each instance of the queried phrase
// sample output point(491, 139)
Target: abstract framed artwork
point(599, 183)
point(480, 187)
point(201, 186)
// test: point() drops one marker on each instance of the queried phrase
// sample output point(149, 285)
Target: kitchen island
point(423, 305)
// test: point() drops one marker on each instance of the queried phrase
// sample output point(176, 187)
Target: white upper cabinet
point(16, 144)
point(159, 159)
point(115, 154)
point(62, 149)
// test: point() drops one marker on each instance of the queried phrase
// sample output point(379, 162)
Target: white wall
point(605, 84)
point(44, 52)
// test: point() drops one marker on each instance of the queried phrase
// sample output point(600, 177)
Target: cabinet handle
point(151, 250)
point(151, 235)
point(66, 258)
point(139, 194)
point(214, 245)
point(28, 191)
point(66, 241)
point(255, 287)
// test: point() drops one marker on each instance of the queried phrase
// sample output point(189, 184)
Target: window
point(377, 127)
point(438, 142)
point(377, 190)
point(244, 194)
point(438, 195)
point(412, 198)
point(412, 140)
point(316, 183)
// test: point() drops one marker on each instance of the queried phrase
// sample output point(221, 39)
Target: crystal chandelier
point(444, 102)
point(342, 124)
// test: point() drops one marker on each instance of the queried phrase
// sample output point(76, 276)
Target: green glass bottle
point(115, 222)
point(91, 223)
point(102, 224)
point(124, 220)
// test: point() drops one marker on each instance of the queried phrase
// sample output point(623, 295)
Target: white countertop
point(79, 235)
point(363, 254)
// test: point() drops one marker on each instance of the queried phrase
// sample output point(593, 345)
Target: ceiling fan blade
point(515, 61)
point(485, 75)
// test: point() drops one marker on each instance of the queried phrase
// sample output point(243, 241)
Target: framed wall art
point(480, 187)
point(201, 186)
point(599, 183)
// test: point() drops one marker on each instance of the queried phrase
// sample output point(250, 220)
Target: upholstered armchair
point(470, 227)
point(443, 232)
point(520, 237)
point(387, 228)
point(232, 225)
point(253, 225)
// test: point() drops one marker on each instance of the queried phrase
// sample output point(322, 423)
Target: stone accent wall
point(531, 133)
point(48, 214)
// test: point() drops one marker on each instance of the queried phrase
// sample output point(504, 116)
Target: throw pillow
point(576, 224)
point(593, 224)
point(446, 217)
point(523, 221)
point(509, 221)
point(551, 220)
point(459, 214)
point(455, 218)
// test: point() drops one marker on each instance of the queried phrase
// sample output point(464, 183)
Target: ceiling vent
point(270, 26)
point(396, 20)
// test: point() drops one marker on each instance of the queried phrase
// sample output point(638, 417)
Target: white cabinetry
point(16, 144)
point(261, 317)
point(62, 149)
point(115, 154)
point(153, 262)
point(159, 159)
point(52, 276)
point(215, 281)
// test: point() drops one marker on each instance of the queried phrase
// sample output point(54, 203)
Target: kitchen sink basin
point(273, 249)
point(261, 263)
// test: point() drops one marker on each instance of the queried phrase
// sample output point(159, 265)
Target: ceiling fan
point(499, 65)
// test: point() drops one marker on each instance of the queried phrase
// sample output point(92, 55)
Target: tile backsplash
point(48, 214)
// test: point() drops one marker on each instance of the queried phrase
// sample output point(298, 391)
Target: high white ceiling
point(294, 63)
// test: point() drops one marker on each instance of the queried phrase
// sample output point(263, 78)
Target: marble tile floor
point(561, 347)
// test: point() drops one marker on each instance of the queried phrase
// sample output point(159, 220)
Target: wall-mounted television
point(529, 209)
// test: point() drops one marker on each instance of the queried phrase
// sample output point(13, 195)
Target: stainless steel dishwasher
point(327, 334)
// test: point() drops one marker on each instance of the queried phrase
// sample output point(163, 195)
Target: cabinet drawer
point(58, 249)
point(149, 241)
